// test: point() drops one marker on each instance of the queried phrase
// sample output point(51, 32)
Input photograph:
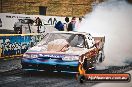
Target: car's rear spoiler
point(101, 39)
point(99, 42)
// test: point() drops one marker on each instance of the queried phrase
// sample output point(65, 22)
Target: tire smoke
point(112, 19)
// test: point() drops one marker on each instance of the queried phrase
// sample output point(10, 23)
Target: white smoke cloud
point(112, 19)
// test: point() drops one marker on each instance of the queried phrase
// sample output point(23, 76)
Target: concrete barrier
point(14, 45)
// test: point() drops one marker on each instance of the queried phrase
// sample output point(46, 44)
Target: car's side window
point(77, 41)
point(74, 41)
point(81, 41)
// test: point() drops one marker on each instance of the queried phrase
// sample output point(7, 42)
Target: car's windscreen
point(74, 40)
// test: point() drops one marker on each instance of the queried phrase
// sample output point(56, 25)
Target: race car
point(61, 51)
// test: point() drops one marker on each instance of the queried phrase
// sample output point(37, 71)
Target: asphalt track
point(18, 78)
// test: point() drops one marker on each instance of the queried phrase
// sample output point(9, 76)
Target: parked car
point(60, 51)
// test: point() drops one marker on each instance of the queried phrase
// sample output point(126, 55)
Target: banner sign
point(7, 20)
point(17, 44)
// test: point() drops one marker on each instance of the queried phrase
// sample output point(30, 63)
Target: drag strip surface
point(45, 79)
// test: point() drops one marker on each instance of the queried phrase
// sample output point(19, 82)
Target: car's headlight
point(34, 55)
point(26, 55)
point(70, 58)
point(30, 56)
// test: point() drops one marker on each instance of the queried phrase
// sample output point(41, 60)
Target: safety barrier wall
point(14, 45)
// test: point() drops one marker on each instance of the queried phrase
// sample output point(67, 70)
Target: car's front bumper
point(50, 65)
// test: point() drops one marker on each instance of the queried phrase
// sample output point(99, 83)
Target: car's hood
point(58, 46)
point(71, 50)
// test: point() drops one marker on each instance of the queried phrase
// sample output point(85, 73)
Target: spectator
point(79, 23)
point(80, 19)
point(66, 24)
point(59, 26)
point(71, 25)
point(67, 19)
point(38, 23)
